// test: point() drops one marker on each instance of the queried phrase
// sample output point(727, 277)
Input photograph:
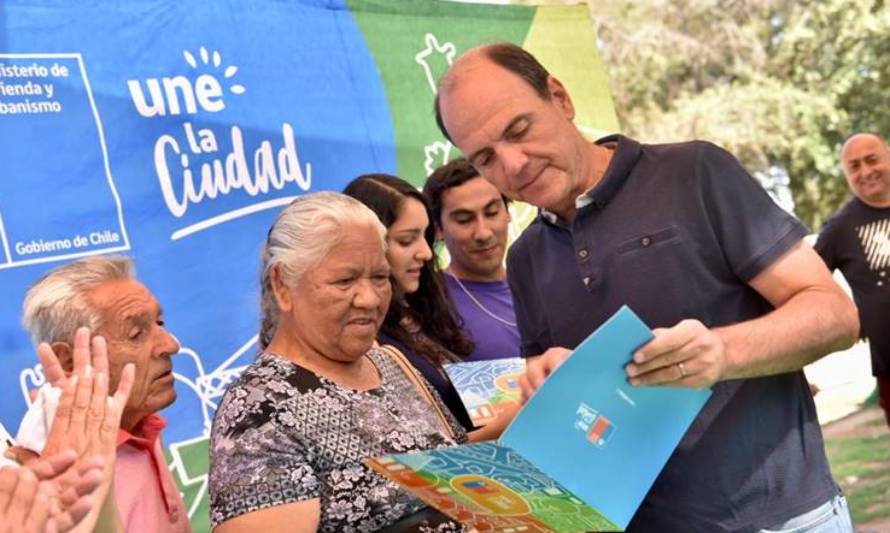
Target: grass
point(861, 465)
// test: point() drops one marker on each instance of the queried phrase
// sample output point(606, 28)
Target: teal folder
point(581, 455)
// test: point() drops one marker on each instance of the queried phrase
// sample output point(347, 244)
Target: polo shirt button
point(582, 253)
point(645, 241)
point(587, 280)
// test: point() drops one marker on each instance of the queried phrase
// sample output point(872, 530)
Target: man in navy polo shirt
point(685, 237)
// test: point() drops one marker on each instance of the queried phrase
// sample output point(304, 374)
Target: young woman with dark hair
point(420, 321)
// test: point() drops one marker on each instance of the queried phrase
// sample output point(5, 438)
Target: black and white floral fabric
point(283, 434)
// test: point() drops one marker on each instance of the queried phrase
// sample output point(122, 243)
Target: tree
point(779, 83)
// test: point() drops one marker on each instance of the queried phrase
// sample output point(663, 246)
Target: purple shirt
point(494, 339)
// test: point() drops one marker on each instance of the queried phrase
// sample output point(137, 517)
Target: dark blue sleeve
point(826, 244)
point(752, 230)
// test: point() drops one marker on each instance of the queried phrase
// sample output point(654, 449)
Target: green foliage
point(776, 82)
point(860, 466)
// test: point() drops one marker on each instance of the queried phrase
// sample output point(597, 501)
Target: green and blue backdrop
point(174, 131)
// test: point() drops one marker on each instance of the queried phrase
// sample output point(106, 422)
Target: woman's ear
point(280, 289)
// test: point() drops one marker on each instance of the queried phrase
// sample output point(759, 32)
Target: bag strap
point(411, 373)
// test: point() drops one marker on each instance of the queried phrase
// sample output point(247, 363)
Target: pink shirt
point(146, 495)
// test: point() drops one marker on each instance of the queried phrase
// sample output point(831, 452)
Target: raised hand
point(31, 500)
point(86, 419)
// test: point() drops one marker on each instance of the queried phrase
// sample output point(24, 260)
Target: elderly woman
point(291, 433)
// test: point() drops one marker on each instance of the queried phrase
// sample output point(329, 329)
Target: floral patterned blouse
point(283, 434)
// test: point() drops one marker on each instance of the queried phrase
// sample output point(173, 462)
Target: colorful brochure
point(580, 456)
point(487, 387)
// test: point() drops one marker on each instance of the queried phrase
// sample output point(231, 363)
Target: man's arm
point(812, 317)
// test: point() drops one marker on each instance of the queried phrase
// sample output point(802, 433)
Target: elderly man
point(471, 216)
point(684, 236)
point(102, 294)
point(856, 239)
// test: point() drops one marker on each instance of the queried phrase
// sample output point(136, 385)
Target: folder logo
point(479, 487)
point(489, 494)
point(600, 431)
point(597, 428)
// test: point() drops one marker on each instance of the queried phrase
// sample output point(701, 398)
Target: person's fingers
point(59, 430)
point(52, 466)
point(22, 497)
point(51, 526)
point(668, 340)
point(669, 375)
point(82, 398)
point(81, 352)
point(114, 409)
point(86, 482)
point(525, 388)
point(73, 514)
point(100, 354)
point(98, 406)
point(124, 386)
point(40, 508)
point(535, 373)
point(8, 480)
point(52, 369)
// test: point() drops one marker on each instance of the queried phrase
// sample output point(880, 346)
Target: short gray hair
point(301, 236)
point(56, 305)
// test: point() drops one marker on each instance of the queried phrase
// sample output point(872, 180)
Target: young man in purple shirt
point(471, 217)
point(684, 236)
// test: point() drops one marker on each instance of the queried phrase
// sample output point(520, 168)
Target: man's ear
point(280, 289)
point(65, 355)
point(560, 97)
point(439, 236)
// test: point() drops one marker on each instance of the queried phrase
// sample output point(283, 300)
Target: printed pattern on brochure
point(491, 488)
point(486, 387)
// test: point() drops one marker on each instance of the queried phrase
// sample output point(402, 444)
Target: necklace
point(478, 303)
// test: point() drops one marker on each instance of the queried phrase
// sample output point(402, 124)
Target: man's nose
point(169, 344)
point(512, 158)
point(481, 231)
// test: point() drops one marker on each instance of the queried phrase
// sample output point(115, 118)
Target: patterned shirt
point(283, 434)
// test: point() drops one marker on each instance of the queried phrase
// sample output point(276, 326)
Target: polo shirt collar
point(150, 427)
point(625, 156)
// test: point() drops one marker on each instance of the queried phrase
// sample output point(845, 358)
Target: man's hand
point(31, 499)
point(87, 419)
point(686, 355)
point(538, 368)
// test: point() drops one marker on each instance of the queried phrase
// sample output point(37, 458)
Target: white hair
point(301, 236)
point(56, 305)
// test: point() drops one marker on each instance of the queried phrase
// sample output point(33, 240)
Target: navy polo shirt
point(677, 231)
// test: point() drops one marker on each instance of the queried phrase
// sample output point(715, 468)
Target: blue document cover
point(601, 438)
point(581, 455)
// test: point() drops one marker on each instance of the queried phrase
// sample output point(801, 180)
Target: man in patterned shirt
point(856, 240)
